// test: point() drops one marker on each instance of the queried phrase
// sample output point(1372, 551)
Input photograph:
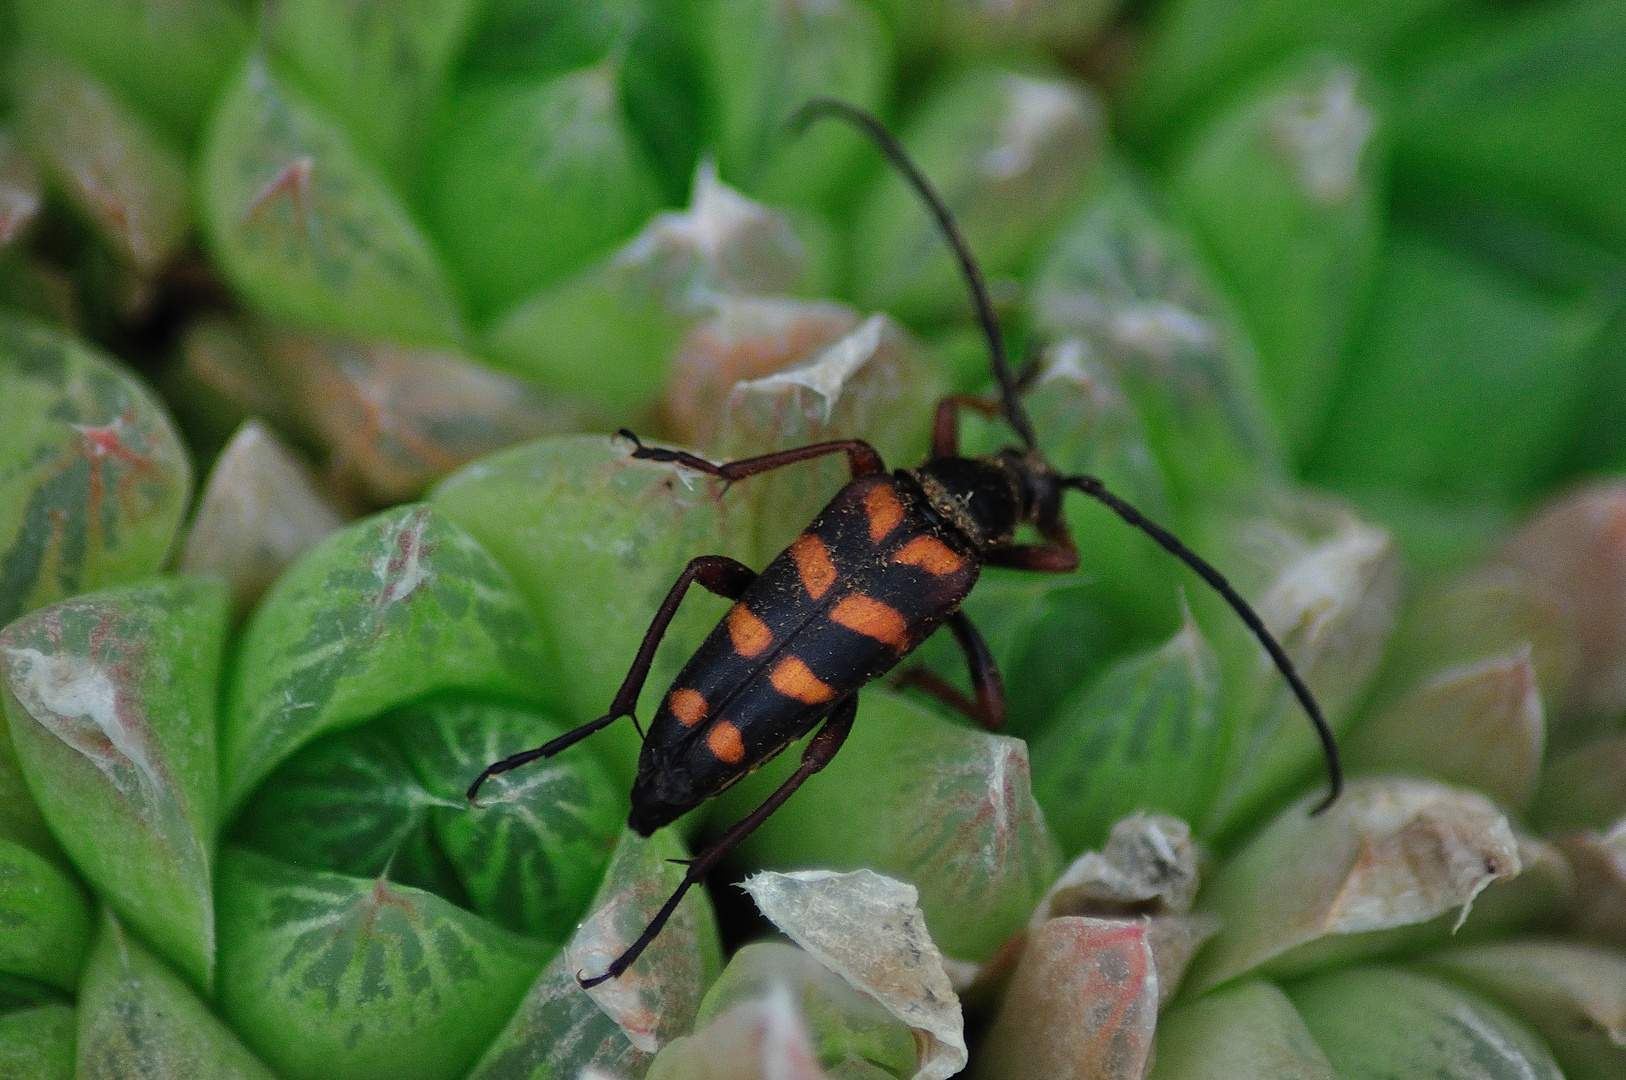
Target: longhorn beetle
point(885, 564)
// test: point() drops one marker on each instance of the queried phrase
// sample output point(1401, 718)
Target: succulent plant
point(313, 316)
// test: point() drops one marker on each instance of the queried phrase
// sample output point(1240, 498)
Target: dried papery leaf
point(868, 929)
point(761, 1039)
point(331, 977)
point(94, 480)
point(876, 383)
point(1575, 552)
point(113, 170)
point(37, 1043)
point(594, 539)
point(260, 510)
point(111, 699)
point(745, 337)
point(139, 1021)
point(855, 1036)
point(1175, 941)
point(1327, 585)
point(1540, 897)
point(21, 193)
point(1376, 1023)
point(1583, 789)
point(946, 808)
point(1082, 1005)
point(393, 608)
point(1012, 153)
point(1599, 862)
point(1489, 611)
point(561, 1029)
point(1389, 853)
point(396, 418)
point(1247, 1030)
point(1127, 284)
point(1149, 866)
point(1573, 995)
point(1480, 725)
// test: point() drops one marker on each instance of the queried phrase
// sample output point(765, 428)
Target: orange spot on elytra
point(724, 740)
point(930, 554)
point(813, 564)
point(872, 619)
point(749, 634)
point(688, 706)
point(796, 680)
point(884, 510)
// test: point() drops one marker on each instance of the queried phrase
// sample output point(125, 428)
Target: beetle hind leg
point(819, 751)
point(988, 709)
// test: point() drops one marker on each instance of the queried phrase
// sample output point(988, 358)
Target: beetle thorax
point(980, 497)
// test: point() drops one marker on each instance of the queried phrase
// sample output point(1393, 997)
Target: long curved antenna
point(894, 151)
point(1095, 489)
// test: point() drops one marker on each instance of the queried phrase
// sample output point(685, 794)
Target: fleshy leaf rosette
point(111, 699)
point(93, 477)
point(392, 608)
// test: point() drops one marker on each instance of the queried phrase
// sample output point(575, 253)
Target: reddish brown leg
point(861, 457)
point(1060, 556)
point(988, 709)
point(946, 424)
point(815, 757)
point(716, 573)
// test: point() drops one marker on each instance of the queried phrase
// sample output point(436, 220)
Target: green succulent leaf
point(594, 540)
point(350, 803)
point(168, 59)
point(1146, 735)
point(1376, 1023)
point(44, 920)
point(140, 1021)
point(1283, 191)
point(1250, 1029)
point(559, 1030)
point(128, 183)
point(306, 229)
point(534, 181)
point(390, 609)
point(946, 809)
point(768, 61)
point(1012, 155)
point(1130, 288)
point(533, 849)
point(38, 1043)
point(349, 978)
point(111, 698)
point(94, 480)
point(379, 68)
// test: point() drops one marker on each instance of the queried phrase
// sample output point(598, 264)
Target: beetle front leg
point(862, 458)
point(719, 574)
point(819, 751)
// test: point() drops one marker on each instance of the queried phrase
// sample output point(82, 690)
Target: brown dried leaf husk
point(1574, 551)
point(1082, 1005)
point(1148, 866)
point(746, 337)
point(396, 418)
point(260, 511)
point(1480, 725)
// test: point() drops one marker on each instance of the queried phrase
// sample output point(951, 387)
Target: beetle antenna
point(819, 108)
point(1095, 489)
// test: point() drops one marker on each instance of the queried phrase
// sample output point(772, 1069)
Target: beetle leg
point(946, 424)
point(988, 710)
point(716, 573)
point(819, 751)
point(861, 457)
